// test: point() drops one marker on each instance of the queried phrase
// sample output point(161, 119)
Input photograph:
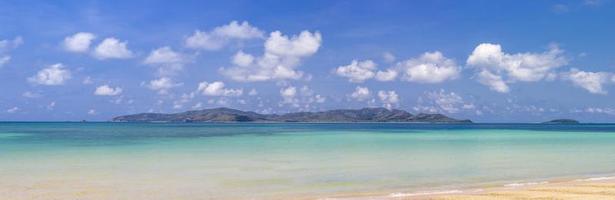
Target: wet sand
point(564, 190)
point(569, 190)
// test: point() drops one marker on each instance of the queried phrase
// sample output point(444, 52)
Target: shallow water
point(263, 161)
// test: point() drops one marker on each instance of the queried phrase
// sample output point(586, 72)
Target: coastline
point(597, 187)
point(584, 188)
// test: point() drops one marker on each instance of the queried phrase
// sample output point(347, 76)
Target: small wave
point(604, 178)
point(525, 184)
point(401, 194)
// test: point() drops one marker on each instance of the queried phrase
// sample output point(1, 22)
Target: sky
point(489, 61)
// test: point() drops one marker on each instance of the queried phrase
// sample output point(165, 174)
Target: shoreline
point(597, 187)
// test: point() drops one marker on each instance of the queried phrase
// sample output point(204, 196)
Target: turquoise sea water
point(264, 161)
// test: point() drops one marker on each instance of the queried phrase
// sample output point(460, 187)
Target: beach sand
point(580, 190)
point(564, 190)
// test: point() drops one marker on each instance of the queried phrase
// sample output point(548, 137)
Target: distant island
point(562, 121)
point(338, 115)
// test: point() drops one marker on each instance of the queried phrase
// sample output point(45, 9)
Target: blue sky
point(504, 61)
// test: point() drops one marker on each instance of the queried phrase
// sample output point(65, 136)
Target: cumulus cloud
point(357, 71)
point(168, 61)
point(389, 99)
point(495, 82)
point(242, 59)
point(388, 75)
point(106, 90)
point(593, 82)
point(288, 94)
point(431, 67)
point(301, 98)
point(282, 56)
point(217, 88)
point(55, 74)
point(6, 46)
point(361, 93)
point(112, 48)
point(442, 101)
point(497, 68)
point(388, 57)
point(79, 42)
point(162, 85)
point(221, 36)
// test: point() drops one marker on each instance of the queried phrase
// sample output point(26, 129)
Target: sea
point(73, 160)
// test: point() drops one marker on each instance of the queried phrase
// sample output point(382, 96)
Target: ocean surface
point(268, 161)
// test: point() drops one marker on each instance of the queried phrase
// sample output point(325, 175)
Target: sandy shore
point(581, 189)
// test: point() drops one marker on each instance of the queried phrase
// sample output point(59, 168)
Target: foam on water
point(525, 184)
point(604, 178)
point(424, 193)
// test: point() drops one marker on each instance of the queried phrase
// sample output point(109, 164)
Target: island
point(562, 121)
point(338, 115)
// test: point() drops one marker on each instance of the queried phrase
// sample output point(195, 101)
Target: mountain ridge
point(224, 114)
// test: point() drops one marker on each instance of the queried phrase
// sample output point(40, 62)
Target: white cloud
point(431, 67)
point(494, 82)
point(52, 75)
point(300, 98)
point(282, 56)
point(303, 45)
point(388, 57)
point(164, 55)
point(593, 82)
point(442, 101)
point(388, 75)
point(91, 112)
point(162, 85)
point(6, 46)
point(243, 59)
point(494, 64)
point(79, 42)
point(596, 110)
point(12, 110)
point(221, 36)
point(168, 61)
point(288, 94)
point(217, 88)
point(112, 48)
point(4, 60)
point(185, 98)
point(106, 90)
point(357, 71)
point(389, 98)
point(361, 93)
